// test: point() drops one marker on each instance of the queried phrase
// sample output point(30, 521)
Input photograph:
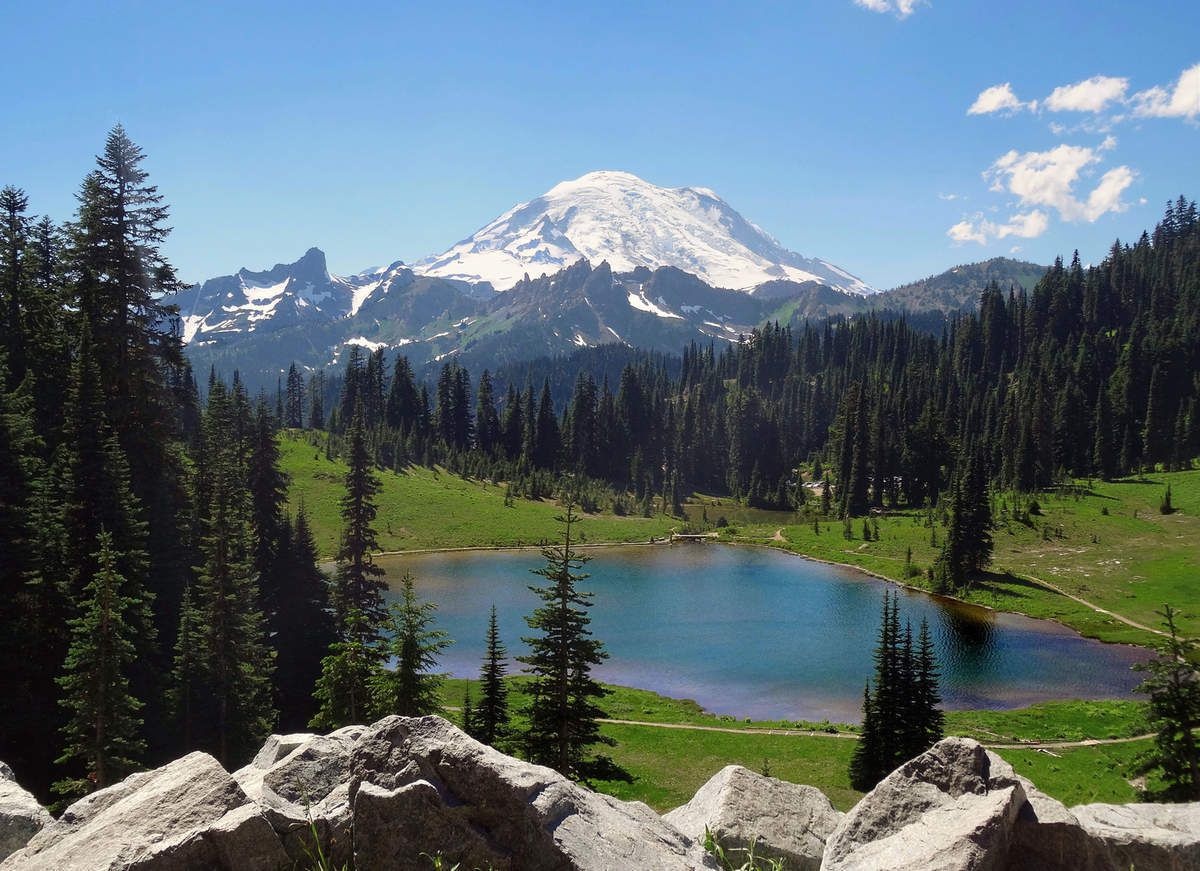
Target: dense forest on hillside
point(149, 565)
point(1093, 373)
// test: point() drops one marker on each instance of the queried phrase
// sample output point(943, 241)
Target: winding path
point(814, 733)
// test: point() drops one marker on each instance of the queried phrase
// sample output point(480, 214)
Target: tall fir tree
point(412, 687)
point(563, 715)
point(491, 722)
point(103, 730)
point(1173, 688)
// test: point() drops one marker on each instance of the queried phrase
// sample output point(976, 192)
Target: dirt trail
point(813, 733)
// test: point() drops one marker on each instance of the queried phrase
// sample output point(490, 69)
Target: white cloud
point(1090, 95)
point(1181, 100)
point(1016, 249)
point(901, 8)
point(951, 197)
point(1028, 225)
point(997, 98)
point(1048, 178)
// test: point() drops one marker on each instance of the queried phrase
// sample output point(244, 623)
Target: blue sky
point(383, 131)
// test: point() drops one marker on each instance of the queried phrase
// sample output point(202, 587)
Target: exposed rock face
point(1047, 835)
point(422, 777)
point(391, 795)
point(21, 817)
point(188, 814)
point(950, 809)
point(744, 809)
point(300, 782)
point(1165, 836)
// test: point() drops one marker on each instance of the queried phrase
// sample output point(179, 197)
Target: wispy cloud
point(1048, 178)
point(977, 228)
point(1090, 95)
point(997, 98)
point(900, 8)
point(1106, 98)
point(1045, 181)
point(1180, 100)
point(951, 197)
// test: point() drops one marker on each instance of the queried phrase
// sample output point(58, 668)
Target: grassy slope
point(669, 765)
point(1130, 560)
point(424, 508)
point(1136, 563)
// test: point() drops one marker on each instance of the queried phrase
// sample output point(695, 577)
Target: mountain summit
point(620, 218)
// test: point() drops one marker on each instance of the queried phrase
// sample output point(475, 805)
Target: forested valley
point(156, 596)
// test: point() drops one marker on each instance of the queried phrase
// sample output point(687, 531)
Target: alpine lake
point(756, 632)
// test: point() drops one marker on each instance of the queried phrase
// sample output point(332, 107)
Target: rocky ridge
point(381, 796)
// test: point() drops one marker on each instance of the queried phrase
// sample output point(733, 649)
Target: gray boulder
point(950, 809)
point(1144, 836)
point(421, 785)
point(188, 814)
point(300, 782)
point(1048, 836)
point(21, 817)
point(745, 810)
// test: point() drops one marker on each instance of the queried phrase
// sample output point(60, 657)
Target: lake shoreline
point(775, 547)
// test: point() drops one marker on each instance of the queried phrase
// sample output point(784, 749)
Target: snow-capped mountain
point(628, 222)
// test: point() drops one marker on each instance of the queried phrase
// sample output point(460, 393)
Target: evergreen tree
point(102, 732)
point(491, 716)
point(359, 585)
point(900, 714)
point(1174, 712)
point(411, 689)
point(343, 692)
point(302, 624)
point(563, 717)
point(348, 671)
point(229, 685)
point(967, 549)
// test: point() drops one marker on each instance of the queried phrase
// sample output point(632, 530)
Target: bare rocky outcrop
point(301, 784)
point(1158, 836)
point(187, 814)
point(21, 817)
point(423, 778)
point(745, 810)
point(952, 808)
point(391, 795)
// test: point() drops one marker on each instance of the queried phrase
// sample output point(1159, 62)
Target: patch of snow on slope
point(639, 302)
point(363, 342)
point(618, 217)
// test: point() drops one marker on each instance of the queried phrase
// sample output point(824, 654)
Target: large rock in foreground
point(21, 817)
point(950, 809)
point(745, 810)
point(188, 814)
point(301, 783)
point(1155, 836)
point(420, 781)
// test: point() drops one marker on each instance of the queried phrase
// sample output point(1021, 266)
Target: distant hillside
point(959, 288)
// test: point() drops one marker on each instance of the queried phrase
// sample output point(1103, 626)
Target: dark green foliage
point(411, 687)
point(491, 723)
point(1165, 506)
point(563, 716)
point(967, 549)
point(358, 585)
point(301, 625)
point(102, 732)
point(343, 690)
point(229, 709)
point(1173, 687)
point(901, 718)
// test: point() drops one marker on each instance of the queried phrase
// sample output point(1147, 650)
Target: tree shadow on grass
point(1005, 585)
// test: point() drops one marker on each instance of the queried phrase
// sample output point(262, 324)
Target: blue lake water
point(753, 632)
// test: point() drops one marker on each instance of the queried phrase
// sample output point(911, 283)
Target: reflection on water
point(760, 633)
